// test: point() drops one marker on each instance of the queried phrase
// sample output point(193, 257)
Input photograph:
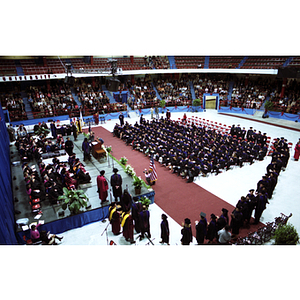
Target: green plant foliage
point(73, 199)
point(137, 181)
point(123, 161)
point(268, 105)
point(286, 235)
point(196, 102)
point(162, 103)
point(145, 201)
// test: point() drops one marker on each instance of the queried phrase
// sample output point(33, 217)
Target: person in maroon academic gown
point(102, 186)
point(297, 151)
point(114, 218)
point(127, 224)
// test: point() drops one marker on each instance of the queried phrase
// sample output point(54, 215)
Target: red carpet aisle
point(177, 198)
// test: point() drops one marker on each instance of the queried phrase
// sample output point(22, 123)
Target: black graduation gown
point(211, 230)
point(165, 232)
point(187, 236)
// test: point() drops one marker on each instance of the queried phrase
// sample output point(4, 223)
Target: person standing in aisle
point(201, 228)
point(165, 231)
point(186, 232)
point(297, 151)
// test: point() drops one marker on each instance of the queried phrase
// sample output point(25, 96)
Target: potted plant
point(162, 104)
point(145, 201)
point(75, 200)
point(129, 170)
point(137, 182)
point(268, 106)
point(286, 235)
point(123, 161)
point(196, 104)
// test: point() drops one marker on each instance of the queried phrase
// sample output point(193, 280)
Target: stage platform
point(51, 214)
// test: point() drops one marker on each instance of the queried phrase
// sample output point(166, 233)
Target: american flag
point(153, 174)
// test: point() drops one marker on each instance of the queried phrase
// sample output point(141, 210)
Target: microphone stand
point(105, 230)
point(150, 242)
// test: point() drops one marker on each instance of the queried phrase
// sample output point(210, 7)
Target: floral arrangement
point(87, 135)
point(108, 149)
point(129, 170)
point(123, 160)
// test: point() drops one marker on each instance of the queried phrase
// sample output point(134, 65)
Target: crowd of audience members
point(213, 84)
point(14, 103)
point(156, 62)
point(53, 100)
point(57, 98)
point(190, 151)
point(52, 177)
point(250, 95)
point(290, 103)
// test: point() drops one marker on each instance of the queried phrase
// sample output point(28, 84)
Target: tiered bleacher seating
point(263, 62)
point(30, 67)
point(7, 67)
point(224, 62)
point(189, 62)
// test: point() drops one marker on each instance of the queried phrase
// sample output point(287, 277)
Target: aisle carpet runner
point(173, 194)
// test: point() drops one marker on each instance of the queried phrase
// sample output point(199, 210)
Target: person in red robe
point(114, 218)
point(127, 224)
point(102, 186)
point(297, 151)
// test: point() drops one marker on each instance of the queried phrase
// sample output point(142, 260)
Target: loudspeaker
point(113, 84)
point(289, 72)
point(69, 80)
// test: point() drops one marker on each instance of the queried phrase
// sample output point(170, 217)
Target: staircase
point(192, 90)
point(206, 62)
point(172, 62)
point(262, 108)
point(156, 91)
point(242, 62)
point(27, 106)
point(108, 94)
point(230, 88)
point(19, 68)
point(286, 63)
point(75, 97)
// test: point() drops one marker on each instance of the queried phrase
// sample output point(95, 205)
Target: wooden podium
point(97, 150)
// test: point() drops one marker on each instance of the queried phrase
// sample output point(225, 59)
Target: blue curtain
point(7, 219)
